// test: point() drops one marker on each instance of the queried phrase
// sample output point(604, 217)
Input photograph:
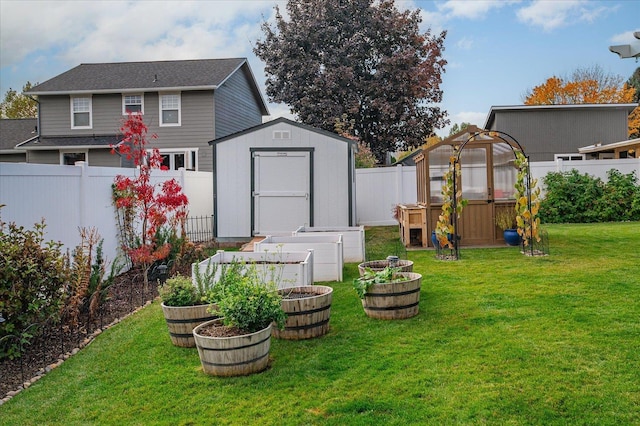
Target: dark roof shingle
point(106, 77)
point(16, 130)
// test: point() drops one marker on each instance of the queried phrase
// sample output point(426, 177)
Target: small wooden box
point(413, 225)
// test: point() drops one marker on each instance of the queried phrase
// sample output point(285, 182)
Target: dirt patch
point(58, 342)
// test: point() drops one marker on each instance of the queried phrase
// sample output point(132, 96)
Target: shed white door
point(281, 191)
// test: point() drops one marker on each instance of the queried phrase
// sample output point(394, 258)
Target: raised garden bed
point(327, 252)
point(353, 248)
point(297, 266)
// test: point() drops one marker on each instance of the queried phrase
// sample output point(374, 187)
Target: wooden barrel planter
point(379, 265)
point(308, 309)
point(394, 300)
point(181, 320)
point(235, 355)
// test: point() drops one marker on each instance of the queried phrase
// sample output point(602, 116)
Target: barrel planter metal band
point(307, 317)
point(394, 300)
point(379, 265)
point(181, 320)
point(233, 356)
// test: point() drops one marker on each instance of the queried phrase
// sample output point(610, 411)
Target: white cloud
point(550, 15)
point(88, 31)
point(625, 37)
point(477, 9)
point(465, 43)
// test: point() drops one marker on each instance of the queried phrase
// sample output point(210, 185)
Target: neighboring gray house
point(15, 131)
point(550, 131)
point(185, 103)
point(275, 177)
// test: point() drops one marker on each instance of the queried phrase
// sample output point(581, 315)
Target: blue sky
point(496, 50)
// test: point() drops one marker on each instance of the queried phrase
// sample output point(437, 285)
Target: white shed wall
point(233, 174)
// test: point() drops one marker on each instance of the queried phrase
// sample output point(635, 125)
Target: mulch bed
point(59, 341)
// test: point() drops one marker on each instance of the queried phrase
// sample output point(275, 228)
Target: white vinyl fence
point(70, 197)
point(379, 189)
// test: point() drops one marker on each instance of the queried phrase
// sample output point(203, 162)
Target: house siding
point(196, 127)
point(236, 107)
point(44, 157)
point(544, 133)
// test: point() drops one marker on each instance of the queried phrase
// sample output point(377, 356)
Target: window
point(70, 158)
point(173, 159)
point(170, 110)
point(568, 157)
point(133, 104)
point(81, 113)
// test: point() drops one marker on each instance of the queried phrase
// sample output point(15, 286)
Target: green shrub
point(580, 198)
point(33, 275)
point(620, 199)
point(570, 197)
point(179, 291)
point(251, 304)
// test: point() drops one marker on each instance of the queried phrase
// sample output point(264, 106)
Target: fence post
point(399, 184)
point(83, 188)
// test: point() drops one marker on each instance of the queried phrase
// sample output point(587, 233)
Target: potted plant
point(308, 309)
point(238, 343)
point(506, 221)
point(184, 306)
point(388, 293)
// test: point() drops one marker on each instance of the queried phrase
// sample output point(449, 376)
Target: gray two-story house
point(185, 103)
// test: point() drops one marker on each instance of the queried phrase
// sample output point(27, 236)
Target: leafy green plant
point(251, 304)
point(620, 198)
point(33, 274)
point(179, 291)
point(571, 197)
point(370, 277)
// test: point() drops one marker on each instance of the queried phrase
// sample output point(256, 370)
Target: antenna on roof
point(155, 78)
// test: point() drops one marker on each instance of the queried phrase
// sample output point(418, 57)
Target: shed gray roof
point(14, 131)
point(278, 121)
point(57, 142)
point(523, 108)
point(137, 76)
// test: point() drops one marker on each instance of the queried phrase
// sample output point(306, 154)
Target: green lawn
point(500, 339)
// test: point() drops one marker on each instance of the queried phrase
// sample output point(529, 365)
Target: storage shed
point(275, 177)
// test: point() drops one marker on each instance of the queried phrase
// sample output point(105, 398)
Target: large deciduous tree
point(361, 58)
point(588, 86)
point(634, 117)
point(18, 105)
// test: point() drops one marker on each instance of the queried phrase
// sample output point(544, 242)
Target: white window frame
point(191, 161)
point(568, 157)
point(73, 112)
point(161, 123)
point(74, 151)
point(124, 103)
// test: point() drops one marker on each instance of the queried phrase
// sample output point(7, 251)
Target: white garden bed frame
point(353, 248)
point(327, 252)
point(295, 269)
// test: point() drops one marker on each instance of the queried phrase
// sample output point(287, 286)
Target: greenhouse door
point(476, 225)
point(281, 190)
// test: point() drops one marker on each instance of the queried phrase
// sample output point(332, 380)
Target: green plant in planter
point(250, 304)
point(370, 277)
point(179, 291)
point(527, 206)
point(444, 227)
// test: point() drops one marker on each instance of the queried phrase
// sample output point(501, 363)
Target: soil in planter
point(221, 331)
point(296, 295)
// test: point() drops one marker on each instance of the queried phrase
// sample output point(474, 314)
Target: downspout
point(37, 123)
